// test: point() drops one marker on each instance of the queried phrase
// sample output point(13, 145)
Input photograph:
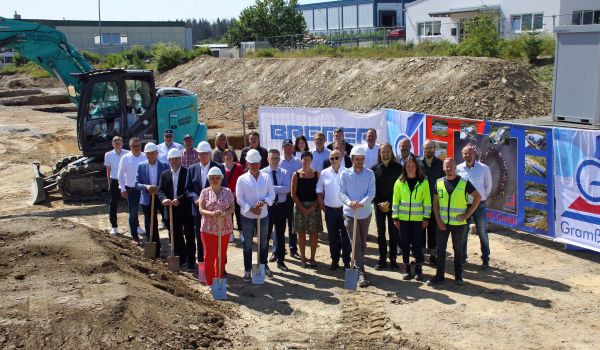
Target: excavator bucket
point(38, 192)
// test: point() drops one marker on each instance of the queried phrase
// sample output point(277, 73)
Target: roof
point(451, 11)
point(80, 23)
point(329, 4)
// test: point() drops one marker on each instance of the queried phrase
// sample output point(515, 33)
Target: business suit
point(193, 187)
point(143, 180)
point(183, 224)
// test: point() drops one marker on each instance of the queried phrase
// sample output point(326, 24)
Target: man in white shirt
point(254, 193)
point(320, 153)
point(127, 176)
point(480, 176)
point(330, 203)
point(111, 162)
point(168, 144)
point(372, 148)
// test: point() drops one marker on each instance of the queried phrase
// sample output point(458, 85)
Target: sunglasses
point(334, 158)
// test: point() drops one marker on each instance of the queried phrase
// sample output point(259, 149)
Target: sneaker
point(362, 281)
point(268, 272)
point(435, 281)
point(485, 265)
point(141, 231)
point(459, 281)
point(247, 276)
point(272, 258)
point(406, 275)
point(380, 266)
point(394, 265)
point(418, 273)
point(282, 266)
point(114, 231)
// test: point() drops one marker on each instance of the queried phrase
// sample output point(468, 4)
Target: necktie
point(274, 172)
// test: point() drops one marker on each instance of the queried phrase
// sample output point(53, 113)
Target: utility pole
point(100, 29)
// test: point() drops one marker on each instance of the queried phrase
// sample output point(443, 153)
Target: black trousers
point(183, 234)
point(238, 216)
point(292, 234)
point(277, 219)
point(430, 234)
point(199, 246)
point(147, 212)
point(113, 204)
point(339, 241)
point(380, 221)
point(457, 233)
point(411, 236)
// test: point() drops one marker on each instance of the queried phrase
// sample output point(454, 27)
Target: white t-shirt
point(112, 159)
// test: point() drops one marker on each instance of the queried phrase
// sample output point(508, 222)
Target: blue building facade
point(353, 15)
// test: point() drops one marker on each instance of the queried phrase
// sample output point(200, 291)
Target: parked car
point(396, 34)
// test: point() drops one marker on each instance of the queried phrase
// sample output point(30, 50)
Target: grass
point(543, 72)
point(30, 69)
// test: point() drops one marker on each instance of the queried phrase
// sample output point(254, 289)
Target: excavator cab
point(115, 103)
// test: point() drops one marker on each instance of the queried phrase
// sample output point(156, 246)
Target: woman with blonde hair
point(222, 145)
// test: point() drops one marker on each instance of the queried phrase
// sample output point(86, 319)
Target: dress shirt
point(204, 173)
point(128, 169)
point(371, 156)
point(357, 187)
point(283, 182)
point(112, 159)
point(153, 173)
point(175, 175)
point(479, 175)
point(163, 150)
point(189, 157)
point(250, 190)
point(319, 158)
point(329, 185)
point(290, 166)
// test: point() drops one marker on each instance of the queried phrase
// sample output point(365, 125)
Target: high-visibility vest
point(452, 205)
point(412, 205)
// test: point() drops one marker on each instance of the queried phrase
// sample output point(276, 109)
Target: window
point(111, 39)
point(527, 22)
point(586, 17)
point(430, 28)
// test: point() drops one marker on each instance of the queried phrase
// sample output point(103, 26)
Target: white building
point(444, 19)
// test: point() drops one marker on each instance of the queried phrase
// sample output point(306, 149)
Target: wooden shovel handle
point(151, 233)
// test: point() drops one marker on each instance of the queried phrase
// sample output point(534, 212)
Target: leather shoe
point(394, 265)
point(282, 266)
point(333, 267)
point(380, 266)
point(268, 272)
point(272, 258)
point(485, 265)
point(295, 255)
point(346, 265)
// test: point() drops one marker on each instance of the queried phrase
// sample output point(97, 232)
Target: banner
point(577, 180)
point(441, 131)
point(401, 125)
point(279, 123)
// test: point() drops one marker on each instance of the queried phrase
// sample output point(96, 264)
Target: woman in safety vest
point(411, 208)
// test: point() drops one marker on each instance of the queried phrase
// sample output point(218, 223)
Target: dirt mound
point(453, 86)
point(21, 81)
point(65, 286)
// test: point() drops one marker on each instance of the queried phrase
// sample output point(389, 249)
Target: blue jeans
point(481, 225)
point(249, 230)
point(339, 240)
point(133, 204)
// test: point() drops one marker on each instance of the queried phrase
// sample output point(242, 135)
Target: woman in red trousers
point(216, 207)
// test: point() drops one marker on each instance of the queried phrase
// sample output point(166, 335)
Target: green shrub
point(114, 60)
point(266, 53)
point(136, 53)
point(34, 71)
point(19, 60)
point(91, 57)
point(8, 70)
point(548, 45)
point(532, 45)
point(482, 38)
point(197, 52)
point(168, 56)
point(513, 49)
point(433, 48)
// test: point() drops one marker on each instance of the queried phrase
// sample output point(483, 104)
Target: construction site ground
point(67, 284)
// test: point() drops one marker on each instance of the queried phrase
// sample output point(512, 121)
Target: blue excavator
point(110, 102)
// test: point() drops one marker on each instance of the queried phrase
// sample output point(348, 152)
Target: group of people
point(418, 203)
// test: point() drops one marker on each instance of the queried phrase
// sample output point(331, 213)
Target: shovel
point(351, 274)
point(219, 287)
point(173, 260)
point(150, 247)
point(258, 270)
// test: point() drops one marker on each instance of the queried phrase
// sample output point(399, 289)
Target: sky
point(126, 10)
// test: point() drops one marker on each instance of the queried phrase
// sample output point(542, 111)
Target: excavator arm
point(48, 48)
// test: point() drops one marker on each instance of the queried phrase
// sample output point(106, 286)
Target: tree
point(482, 38)
point(533, 46)
point(268, 19)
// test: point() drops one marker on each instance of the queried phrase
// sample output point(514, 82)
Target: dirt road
point(67, 284)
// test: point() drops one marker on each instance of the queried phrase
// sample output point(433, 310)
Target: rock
point(20, 277)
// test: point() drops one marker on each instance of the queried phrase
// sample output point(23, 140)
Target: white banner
point(278, 123)
point(577, 187)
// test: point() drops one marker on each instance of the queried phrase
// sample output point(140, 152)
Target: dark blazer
point(193, 185)
point(165, 191)
point(347, 162)
point(348, 147)
point(433, 173)
point(143, 179)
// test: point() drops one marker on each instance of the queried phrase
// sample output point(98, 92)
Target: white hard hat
point(253, 156)
point(215, 171)
point(358, 151)
point(173, 153)
point(203, 147)
point(150, 147)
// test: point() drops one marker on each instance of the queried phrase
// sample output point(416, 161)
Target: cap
point(173, 153)
point(203, 147)
point(168, 132)
point(358, 151)
point(150, 147)
point(214, 171)
point(287, 142)
point(253, 156)
point(187, 136)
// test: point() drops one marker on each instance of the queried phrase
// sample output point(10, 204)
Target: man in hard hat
point(357, 190)
point(195, 182)
point(167, 145)
point(148, 176)
point(171, 192)
point(128, 166)
point(254, 193)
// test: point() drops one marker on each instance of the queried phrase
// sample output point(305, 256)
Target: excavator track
point(82, 182)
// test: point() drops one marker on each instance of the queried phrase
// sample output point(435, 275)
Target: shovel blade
point(38, 193)
point(201, 273)
point(173, 263)
point(219, 289)
point(150, 250)
point(258, 274)
point(351, 279)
